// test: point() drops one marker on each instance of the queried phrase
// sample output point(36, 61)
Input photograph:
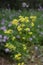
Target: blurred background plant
point(21, 4)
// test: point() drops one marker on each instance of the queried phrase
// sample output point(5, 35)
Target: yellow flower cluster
point(17, 56)
point(33, 18)
point(21, 63)
point(8, 31)
point(10, 46)
point(23, 19)
point(21, 29)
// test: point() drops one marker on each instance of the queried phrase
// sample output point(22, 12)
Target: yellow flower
point(19, 28)
point(32, 24)
point(10, 46)
point(22, 19)
point(6, 45)
point(26, 19)
point(18, 56)
point(30, 33)
point(33, 17)
point(13, 38)
point(8, 31)
point(27, 29)
point(15, 22)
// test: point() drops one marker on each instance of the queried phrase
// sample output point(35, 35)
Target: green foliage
point(21, 31)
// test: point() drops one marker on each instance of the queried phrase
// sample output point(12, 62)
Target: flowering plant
point(17, 35)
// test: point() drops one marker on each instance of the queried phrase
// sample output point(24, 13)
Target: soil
point(36, 59)
point(4, 61)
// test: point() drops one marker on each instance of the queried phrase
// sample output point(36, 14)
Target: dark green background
point(16, 4)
